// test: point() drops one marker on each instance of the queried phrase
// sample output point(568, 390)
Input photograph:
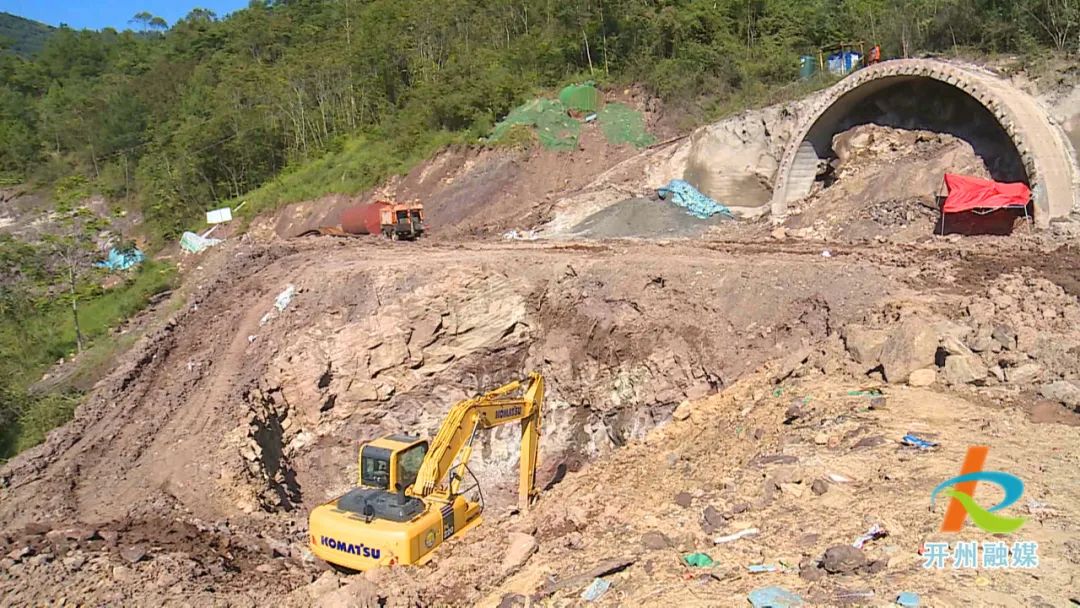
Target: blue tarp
point(121, 260)
point(843, 62)
point(697, 204)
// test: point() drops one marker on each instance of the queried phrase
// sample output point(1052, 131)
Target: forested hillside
point(174, 117)
point(22, 36)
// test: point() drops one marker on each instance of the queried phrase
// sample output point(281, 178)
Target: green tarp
point(580, 97)
point(622, 124)
point(555, 129)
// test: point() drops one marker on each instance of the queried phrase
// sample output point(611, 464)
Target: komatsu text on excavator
point(409, 500)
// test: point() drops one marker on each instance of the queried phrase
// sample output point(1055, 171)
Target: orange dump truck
point(404, 221)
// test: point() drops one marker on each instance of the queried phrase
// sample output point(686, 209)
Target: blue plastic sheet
point(909, 599)
point(774, 597)
point(598, 587)
point(917, 442)
point(121, 260)
point(688, 197)
point(843, 62)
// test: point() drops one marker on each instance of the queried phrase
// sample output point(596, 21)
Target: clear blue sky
point(97, 14)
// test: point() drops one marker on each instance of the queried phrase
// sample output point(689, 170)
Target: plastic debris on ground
point(683, 194)
point(281, 302)
point(193, 243)
point(520, 235)
point(219, 216)
point(837, 478)
point(719, 540)
point(283, 299)
point(907, 598)
point(875, 532)
point(917, 442)
point(596, 589)
point(869, 392)
point(826, 254)
point(121, 260)
point(698, 560)
point(759, 568)
point(846, 596)
point(774, 597)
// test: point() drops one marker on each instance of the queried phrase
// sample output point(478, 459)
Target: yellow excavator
point(409, 499)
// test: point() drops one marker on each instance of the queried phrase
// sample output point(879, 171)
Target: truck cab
point(403, 221)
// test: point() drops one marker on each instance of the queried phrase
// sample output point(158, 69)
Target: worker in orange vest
point(874, 56)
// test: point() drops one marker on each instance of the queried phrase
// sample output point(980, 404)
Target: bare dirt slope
point(226, 426)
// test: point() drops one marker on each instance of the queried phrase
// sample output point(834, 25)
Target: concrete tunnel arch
point(998, 119)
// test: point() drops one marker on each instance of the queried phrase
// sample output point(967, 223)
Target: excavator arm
point(517, 401)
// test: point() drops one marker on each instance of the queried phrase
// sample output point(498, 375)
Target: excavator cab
point(391, 463)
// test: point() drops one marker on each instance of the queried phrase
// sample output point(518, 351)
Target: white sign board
point(219, 216)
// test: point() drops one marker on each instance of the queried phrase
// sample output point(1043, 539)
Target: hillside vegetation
point(22, 36)
point(176, 118)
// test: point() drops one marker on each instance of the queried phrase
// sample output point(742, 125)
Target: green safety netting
point(622, 124)
point(555, 128)
point(580, 97)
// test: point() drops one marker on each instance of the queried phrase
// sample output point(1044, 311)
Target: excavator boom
point(518, 400)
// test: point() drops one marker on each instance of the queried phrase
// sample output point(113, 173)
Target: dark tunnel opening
point(920, 103)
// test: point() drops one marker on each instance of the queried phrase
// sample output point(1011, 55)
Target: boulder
point(682, 412)
point(980, 340)
point(864, 344)
point(134, 553)
point(955, 346)
point(1005, 336)
point(356, 594)
point(843, 559)
point(328, 581)
point(1062, 391)
point(655, 541)
point(74, 563)
point(1028, 373)
point(922, 377)
point(909, 347)
point(981, 311)
point(965, 369)
point(522, 546)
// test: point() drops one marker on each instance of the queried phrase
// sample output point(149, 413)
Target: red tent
point(969, 193)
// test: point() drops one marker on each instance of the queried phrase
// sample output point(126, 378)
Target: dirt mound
point(637, 217)
point(884, 182)
point(155, 561)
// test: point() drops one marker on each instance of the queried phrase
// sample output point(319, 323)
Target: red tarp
point(967, 193)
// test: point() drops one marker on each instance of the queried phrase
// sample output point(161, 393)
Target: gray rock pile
point(1022, 331)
